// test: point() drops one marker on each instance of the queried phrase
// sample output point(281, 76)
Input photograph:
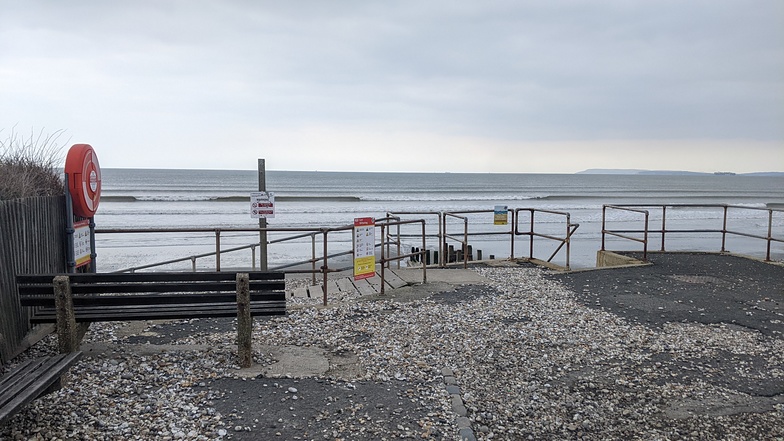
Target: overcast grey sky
point(484, 86)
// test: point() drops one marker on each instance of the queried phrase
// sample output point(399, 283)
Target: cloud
point(181, 75)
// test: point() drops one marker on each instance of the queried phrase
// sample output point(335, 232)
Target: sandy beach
point(690, 347)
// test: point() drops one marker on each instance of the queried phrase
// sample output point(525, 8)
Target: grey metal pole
point(262, 221)
point(70, 258)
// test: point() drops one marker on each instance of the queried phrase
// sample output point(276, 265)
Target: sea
point(220, 199)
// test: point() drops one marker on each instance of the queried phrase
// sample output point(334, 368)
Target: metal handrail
point(513, 231)
point(531, 233)
point(724, 231)
point(440, 215)
point(385, 259)
point(305, 232)
point(463, 242)
point(617, 233)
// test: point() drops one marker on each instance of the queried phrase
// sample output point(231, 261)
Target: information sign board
point(81, 243)
point(500, 215)
point(262, 205)
point(364, 248)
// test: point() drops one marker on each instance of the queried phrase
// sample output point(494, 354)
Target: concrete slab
point(393, 280)
point(364, 287)
point(293, 361)
point(300, 292)
point(447, 275)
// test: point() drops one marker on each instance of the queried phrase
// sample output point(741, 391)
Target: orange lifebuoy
point(84, 179)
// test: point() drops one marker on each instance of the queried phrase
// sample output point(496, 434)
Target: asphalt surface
point(688, 287)
point(710, 289)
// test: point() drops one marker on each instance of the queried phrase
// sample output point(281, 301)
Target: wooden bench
point(68, 299)
point(31, 379)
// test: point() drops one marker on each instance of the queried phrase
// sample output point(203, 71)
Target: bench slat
point(149, 277)
point(151, 299)
point(27, 382)
point(160, 312)
point(135, 287)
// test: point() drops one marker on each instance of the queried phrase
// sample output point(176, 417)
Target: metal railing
point(462, 237)
point(646, 231)
point(566, 240)
point(313, 233)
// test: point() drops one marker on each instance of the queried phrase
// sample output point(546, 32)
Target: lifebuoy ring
point(84, 179)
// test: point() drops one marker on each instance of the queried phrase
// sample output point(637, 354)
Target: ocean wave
point(198, 198)
point(608, 198)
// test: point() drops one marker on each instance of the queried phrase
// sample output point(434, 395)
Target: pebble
point(525, 358)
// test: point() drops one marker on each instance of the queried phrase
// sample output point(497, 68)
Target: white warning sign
point(262, 205)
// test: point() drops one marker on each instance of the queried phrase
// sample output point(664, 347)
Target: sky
point(554, 86)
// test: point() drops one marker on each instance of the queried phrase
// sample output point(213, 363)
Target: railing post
point(465, 242)
point(253, 256)
point(313, 258)
point(513, 224)
point(383, 257)
point(645, 239)
point(604, 223)
point(664, 225)
point(770, 234)
point(531, 237)
point(217, 250)
point(325, 269)
point(441, 238)
point(398, 245)
point(193, 263)
point(724, 231)
point(424, 252)
point(568, 240)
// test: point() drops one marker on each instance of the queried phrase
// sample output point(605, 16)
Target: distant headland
point(627, 171)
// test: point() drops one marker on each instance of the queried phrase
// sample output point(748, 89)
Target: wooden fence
point(32, 240)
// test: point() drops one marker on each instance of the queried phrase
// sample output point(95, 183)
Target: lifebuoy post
point(82, 196)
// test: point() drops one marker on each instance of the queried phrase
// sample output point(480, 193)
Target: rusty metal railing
point(646, 231)
point(439, 215)
point(304, 232)
point(386, 240)
point(463, 241)
point(566, 240)
point(463, 222)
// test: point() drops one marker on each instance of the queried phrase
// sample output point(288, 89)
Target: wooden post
point(262, 221)
point(66, 321)
point(244, 321)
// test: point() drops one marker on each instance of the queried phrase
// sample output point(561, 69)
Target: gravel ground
point(521, 356)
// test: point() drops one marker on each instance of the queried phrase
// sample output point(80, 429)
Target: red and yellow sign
point(364, 248)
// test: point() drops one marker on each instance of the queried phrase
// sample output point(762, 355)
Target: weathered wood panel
point(32, 240)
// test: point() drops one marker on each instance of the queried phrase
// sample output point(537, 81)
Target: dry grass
point(30, 166)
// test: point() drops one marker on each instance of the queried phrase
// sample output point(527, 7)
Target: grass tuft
point(31, 166)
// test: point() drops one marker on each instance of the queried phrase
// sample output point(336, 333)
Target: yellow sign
point(364, 248)
point(500, 215)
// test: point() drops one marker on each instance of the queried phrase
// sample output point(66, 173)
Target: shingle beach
point(515, 353)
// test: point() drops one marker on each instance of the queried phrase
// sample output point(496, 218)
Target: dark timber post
point(262, 221)
point(244, 321)
point(66, 321)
